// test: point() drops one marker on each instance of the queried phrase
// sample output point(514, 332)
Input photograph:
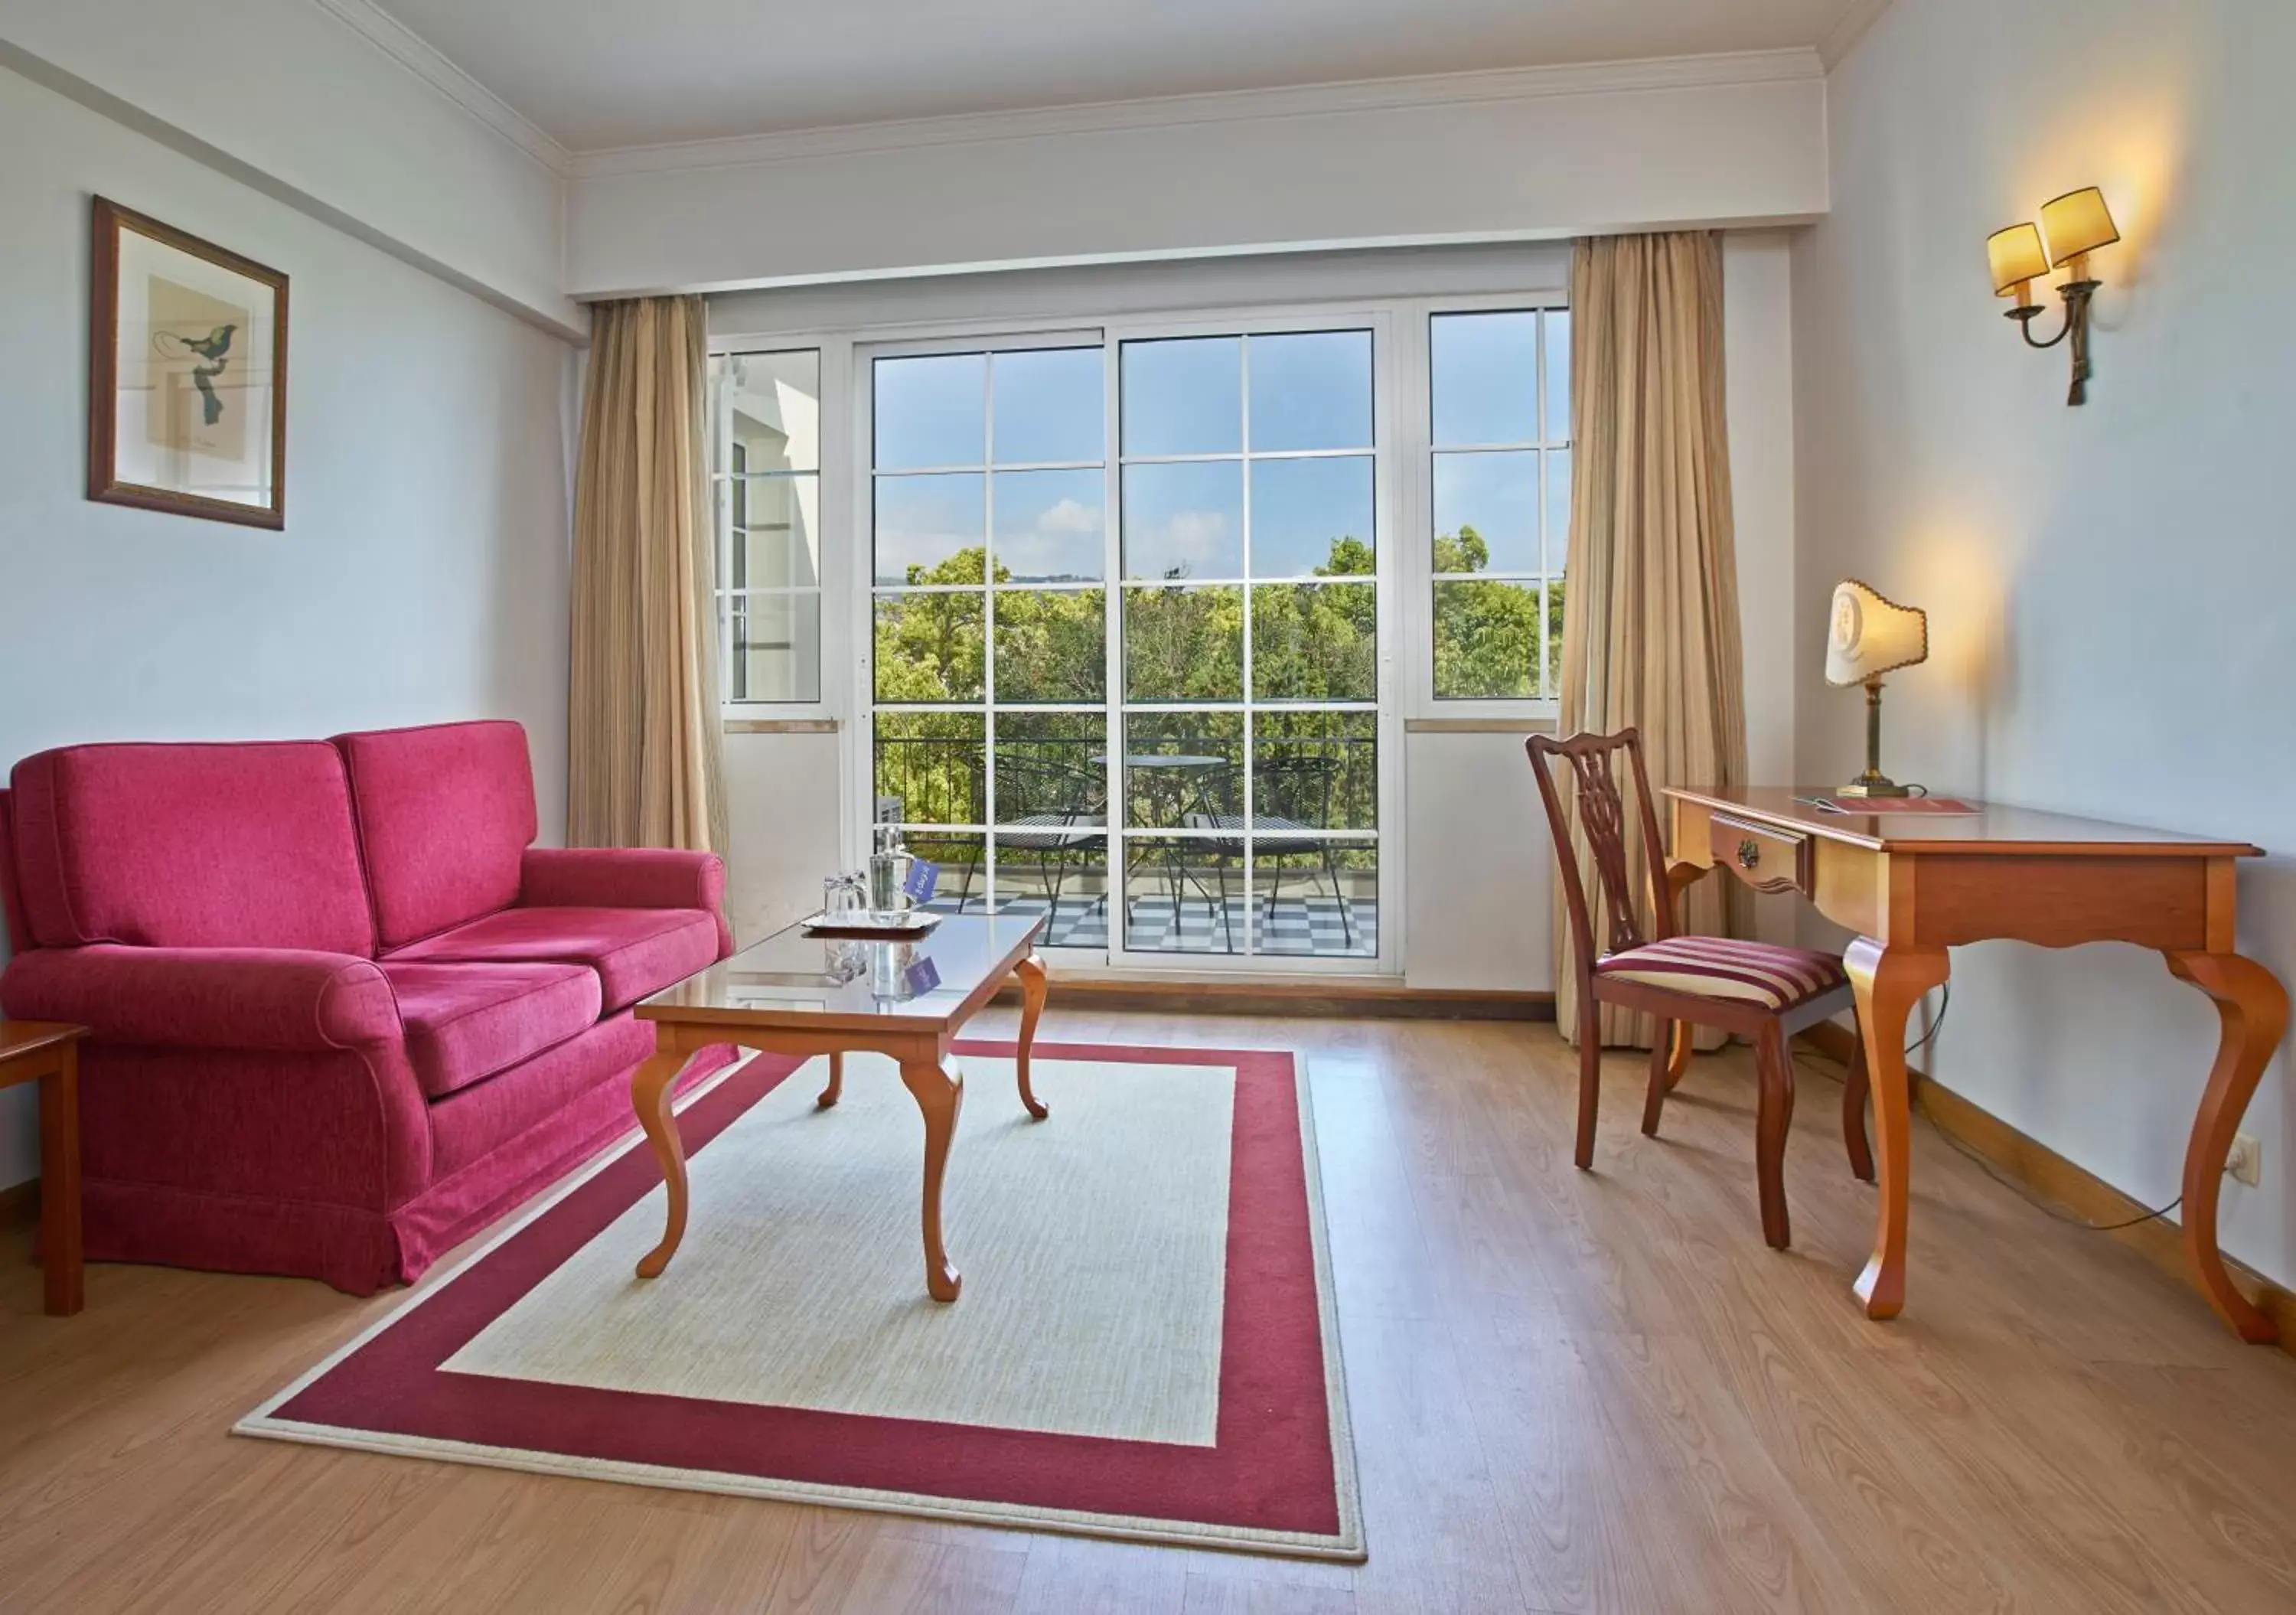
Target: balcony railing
point(1181, 781)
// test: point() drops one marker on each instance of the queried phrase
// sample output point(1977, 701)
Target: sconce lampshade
point(2078, 222)
point(1870, 636)
point(2017, 257)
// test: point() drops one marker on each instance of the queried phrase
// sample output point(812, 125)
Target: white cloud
point(1069, 517)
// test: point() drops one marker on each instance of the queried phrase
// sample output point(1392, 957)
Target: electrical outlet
point(2245, 1162)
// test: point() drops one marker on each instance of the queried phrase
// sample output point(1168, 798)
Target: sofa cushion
point(445, 812)
point(635, 951)
point(190, 846)
point(466, 1021)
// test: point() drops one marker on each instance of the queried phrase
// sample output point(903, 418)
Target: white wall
point(2108, 587)
point(1473, 856)
point(1533, 154)
point(333, 106)
point(422, 574)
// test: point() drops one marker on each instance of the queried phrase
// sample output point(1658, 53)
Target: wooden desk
point(1913, 886)
point(47, 1052)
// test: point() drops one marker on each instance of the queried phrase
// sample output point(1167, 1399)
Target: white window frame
point(1416, 447)
point(835, 359)
point(1377, 318)
point(1403, 406)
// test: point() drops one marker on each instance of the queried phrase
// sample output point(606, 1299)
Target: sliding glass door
point(1126, 658)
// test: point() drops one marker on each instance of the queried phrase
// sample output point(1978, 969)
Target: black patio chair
point(1053, 813)
point(1293, 790)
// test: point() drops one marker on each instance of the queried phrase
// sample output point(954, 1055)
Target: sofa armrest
point(206, 998)
point(626, 877)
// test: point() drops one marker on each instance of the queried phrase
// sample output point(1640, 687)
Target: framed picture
point(187, 374)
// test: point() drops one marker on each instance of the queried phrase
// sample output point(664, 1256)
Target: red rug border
point(1271, 1469)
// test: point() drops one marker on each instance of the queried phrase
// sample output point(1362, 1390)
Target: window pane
point(1183, 520)
point(931, 411)
point(1050, 526)
point(776, 647)
point(1184, 644)
point(1486, 513)
point(1315, 897)
point(776, 543)
point(1314, 770)
point(1183, 396)
point(963, 884)
point(1059, 871)
point(1052, 768)
point(1311, 518)
point(928, 769)
point(1555, 588)
point(1051, 645)
point(1311, 390)
point(1050, 404)
point(1486, 641)
point(1558, 509)
point(928, 647)
point(932, 530)
point(1558, 375)
point(1185, 897)
point(1315, 641)
point(774, 407)
point(1182, 768)
point(1485, 377)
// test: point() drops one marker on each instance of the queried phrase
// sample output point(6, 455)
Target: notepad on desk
point(1889, 804)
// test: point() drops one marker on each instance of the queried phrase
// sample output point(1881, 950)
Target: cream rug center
point(1093, 1249)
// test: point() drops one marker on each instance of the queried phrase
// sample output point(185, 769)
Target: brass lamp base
point(1874, 782)
point(1872, 785)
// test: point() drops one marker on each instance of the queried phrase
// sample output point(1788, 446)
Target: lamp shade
point(2078, 222)
point(1869, 635)
point(2017, 255)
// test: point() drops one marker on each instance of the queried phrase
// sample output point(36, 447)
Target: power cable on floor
point(2003, 1178)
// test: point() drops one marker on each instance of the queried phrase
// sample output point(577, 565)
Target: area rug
point(1145, 1346)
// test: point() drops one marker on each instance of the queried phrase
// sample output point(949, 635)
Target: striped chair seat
point(1724, 967)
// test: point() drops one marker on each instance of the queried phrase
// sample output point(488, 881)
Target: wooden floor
point(1570, 1393)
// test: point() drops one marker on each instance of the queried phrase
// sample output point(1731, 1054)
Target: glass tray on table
point(875, 925)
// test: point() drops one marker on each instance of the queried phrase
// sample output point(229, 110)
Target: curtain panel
point(1650, 625)
point(644, 748)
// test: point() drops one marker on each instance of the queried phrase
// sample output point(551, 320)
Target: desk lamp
point(1869, 636)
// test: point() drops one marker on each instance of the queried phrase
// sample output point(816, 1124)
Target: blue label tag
point(924, 877)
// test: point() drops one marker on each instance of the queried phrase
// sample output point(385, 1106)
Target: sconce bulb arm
point(2027, 313)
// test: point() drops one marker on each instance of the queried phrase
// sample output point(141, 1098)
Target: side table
point(47, 1052)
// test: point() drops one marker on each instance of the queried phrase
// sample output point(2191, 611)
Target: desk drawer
point(1763, 856)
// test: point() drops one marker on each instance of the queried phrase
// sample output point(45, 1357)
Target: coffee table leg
point(1031, 973)
point(939, 1094)
point(651, 1093)
point(59, 1229)
point(835, 1091)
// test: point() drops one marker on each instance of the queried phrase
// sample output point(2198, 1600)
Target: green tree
point(1486, 630)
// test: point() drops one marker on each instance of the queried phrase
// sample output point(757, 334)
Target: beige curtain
point(643, 753)
point(1650, 625)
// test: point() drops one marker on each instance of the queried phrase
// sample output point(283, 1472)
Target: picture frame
point(187, 374)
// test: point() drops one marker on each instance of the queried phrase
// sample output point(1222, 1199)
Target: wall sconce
point(2077, 224)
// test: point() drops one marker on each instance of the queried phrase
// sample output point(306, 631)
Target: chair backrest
point(1594, 760)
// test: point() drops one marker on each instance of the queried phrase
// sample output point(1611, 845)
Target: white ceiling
point(599, 74)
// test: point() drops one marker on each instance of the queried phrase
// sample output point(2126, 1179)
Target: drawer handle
point(1749, 854)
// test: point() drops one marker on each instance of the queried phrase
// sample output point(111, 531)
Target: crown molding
point(1847, 29)
point(1225, 106)
point(417, 56)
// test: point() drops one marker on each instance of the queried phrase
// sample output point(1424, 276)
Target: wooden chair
point(1756, 991)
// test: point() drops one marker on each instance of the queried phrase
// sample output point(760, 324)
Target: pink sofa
point(343, 1014)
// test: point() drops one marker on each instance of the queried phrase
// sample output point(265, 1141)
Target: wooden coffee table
point(793, 993)
point(47, 1052)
